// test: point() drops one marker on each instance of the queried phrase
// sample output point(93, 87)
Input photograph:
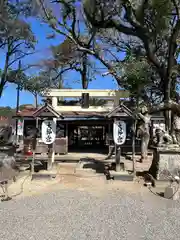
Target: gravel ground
point(74, 214)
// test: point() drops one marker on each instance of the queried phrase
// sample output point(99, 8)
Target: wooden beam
point(107, 93)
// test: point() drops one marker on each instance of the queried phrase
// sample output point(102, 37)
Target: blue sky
point(42, 48)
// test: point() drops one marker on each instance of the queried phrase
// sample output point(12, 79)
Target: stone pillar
point(116, 100)
point(54, 102)
point(118, 156)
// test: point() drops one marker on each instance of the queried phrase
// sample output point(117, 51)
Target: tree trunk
point(167, 97)
point(84, 72)
point(36, 100)
point(4, 75)
point(134, 148)
point(1, 89)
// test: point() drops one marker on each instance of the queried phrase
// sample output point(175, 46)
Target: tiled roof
point(26, 113)
point(29, 113)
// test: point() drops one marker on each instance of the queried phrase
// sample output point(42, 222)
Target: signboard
point(20, 127)
point(48, 130)
point(119, 132)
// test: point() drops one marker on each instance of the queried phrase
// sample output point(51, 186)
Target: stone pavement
point(84, 210)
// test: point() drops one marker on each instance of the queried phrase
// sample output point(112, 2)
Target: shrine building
point(82, 124)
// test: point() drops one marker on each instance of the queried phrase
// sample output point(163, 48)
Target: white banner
point(48, 130)
point(20, 127)
point(119, 132)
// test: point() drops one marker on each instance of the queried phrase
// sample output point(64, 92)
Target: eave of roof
point(32, 113)
point(124, 109)
point(70, 114)
point(50, 109)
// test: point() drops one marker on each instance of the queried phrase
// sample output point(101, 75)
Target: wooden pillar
point(34, 144)
point(151, 129)
point(32, 164)
point(53, 153)
point(109, 133)
point(66, 133)
point(53, 144)
point(37, 123)
point(134, 147)
point(50, 151)
point(118, 156)
point(67, 136)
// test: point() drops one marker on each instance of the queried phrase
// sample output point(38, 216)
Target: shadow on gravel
point(158, 194)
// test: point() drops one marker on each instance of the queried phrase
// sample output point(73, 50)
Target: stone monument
point(166, 157)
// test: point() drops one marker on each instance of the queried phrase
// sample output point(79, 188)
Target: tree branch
point(172, 47)
point(136, 30)
point(171, 105)
point(141, 33)
point(13, 50)
point(111, 23)
point(176, 8)
point(2, 45)
point(61, 72)
point(19, 58)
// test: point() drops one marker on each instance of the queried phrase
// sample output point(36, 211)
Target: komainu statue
point(162, 138)
point(8, 166)
point(176, 130)
point(144, 132)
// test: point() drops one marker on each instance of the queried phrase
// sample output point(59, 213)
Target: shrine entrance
point(88, 137)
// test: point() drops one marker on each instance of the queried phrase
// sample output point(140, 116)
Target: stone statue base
point(166, 161)
point(167, 147)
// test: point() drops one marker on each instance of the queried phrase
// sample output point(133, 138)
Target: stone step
point(88, 175)
point(40, 176)
point(65, 165)
point(138, 168)
point(84, 170)
point(122, 176)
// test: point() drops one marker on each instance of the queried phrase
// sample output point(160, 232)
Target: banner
point(20, 127)
point(119, 132)
point(48, 130)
